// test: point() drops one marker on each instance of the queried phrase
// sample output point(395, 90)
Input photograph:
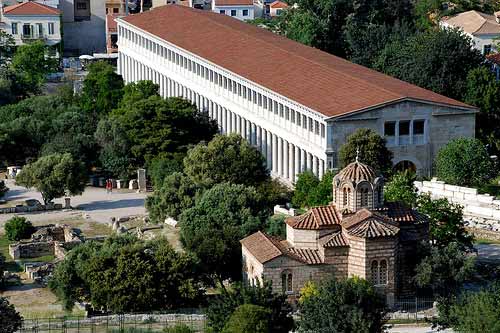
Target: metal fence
point(413, 309)
point(123, 323)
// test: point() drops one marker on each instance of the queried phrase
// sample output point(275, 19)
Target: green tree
point(322, 195)
point(350, 305)
point(306, 183)
point(54, 176)
point(426, 60)
point(227, 158)
point(483, 91)
point(102, 90)
point(446, 222)
point(124, 274)
point(7, 48)
point(444, 269)
point(249, 318)
point(114, 154)
point(175, 195)
point(464, 162)
point(400, 188)
point(136, 91)
point(17, 228)
point(3, 188)
point(157, 126)
point(372, 150)
point(223, 305)
point(213, 228)
point(275, 226)
point(161, 167)
point(10, 319)
point(478, 312)
point(33, 64)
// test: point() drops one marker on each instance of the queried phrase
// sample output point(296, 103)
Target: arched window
point(364, 197)
point(374, 272)
point(286, 282)
point(380, 194)
point(382, 275)
point(346, 193)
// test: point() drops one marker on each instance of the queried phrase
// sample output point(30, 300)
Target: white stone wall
point(33, 21)
point(480, 210)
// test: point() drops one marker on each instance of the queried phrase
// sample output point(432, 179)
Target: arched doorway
point(405, 166)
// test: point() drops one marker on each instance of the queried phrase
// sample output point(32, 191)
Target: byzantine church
point(356, 235)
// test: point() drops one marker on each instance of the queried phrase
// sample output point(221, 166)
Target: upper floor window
point(27, 30)
point(39, 29)
point(222, 11)
point(245, 12)
point(323, 130)
point(487, 49)
point(364, 197)
point(418, 131)
point(233, 12)
point(14, 28)
point(404, 132)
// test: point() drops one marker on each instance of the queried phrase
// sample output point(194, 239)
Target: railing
point(33, 36)
point(128, 323)
point(413, 309)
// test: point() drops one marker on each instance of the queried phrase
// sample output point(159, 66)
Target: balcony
point(33, 37)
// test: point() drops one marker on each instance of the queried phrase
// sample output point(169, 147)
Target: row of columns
point(283, 158)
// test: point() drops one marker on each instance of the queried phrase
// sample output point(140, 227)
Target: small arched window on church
point(374, 272)
point(382, 275)
point(380, 195)
point(364, 197)
point(346, 193)
point(286, 282)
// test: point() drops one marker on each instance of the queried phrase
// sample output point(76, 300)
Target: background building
point(482, 28)
point(29, 21)
point(294, 103)
point(239, 9)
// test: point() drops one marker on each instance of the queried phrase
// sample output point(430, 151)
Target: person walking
point(108, 186)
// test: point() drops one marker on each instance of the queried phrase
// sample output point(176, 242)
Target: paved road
point(94, 202)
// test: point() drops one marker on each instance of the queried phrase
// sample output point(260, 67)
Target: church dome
point(356, 172)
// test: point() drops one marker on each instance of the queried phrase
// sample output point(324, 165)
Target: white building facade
point(31, 21)
point(239, 9)
point(291, 132)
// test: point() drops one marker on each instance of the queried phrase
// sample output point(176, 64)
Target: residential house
point(482, 28)
point(276, 8)
point(240, 9)
point(29, 21)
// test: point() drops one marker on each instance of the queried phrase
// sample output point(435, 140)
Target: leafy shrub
point(18, 228)
point(3, 188)
point(401, 189)
point(179, 328)
point(249, 318)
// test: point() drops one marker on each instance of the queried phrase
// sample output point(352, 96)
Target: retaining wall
point(480, 210)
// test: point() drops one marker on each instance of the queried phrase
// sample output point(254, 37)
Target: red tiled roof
point(368, 224)
point(265, 248)
point(278, 4)
point(316, 218)
point(318, 80)
point(233, 2)
point(401, 214)
point(30, 8)
point(309, 256)
point(337, 239)
point(356, 172)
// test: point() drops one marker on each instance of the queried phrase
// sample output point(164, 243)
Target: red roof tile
point(265, 248)
point(495, 58)
point(337, 239)
point(401, 214)
point(30, 8)
point(318, 80)
point(367, 224)
point(316, 218)
point(278, 4)
point(309, 256)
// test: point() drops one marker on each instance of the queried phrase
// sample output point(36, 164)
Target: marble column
point(275, 154)
point(286, 161)
point(259, 138)
point(263, 142)
point(315, 166)
point(297, 163)
point(280, 156)
point(291, 162)
point(321, 168)
point(269, 150)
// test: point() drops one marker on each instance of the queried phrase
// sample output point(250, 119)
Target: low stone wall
point(28, 209)
point(480, 210)
point(31, 250)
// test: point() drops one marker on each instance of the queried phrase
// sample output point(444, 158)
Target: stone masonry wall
point(480, 210)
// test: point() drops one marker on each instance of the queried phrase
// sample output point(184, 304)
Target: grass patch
point(485, 241)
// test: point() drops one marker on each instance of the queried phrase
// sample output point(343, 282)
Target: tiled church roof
point(367, 224)
point(356, 172)
point(309, 256)
point(337, 239)
point(316, 218)
point(402, 214)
